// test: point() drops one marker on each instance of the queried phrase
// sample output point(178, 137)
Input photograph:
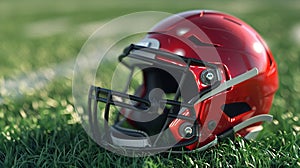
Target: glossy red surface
point(237, 48)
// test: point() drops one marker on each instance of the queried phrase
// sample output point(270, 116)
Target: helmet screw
point(186, 130)
point(208, 77)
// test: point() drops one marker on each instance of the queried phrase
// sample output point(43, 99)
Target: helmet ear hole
point(234, 109)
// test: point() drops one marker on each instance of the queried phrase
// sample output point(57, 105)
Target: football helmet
point(196, 78)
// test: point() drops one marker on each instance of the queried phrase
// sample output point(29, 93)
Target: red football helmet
point(196, 78)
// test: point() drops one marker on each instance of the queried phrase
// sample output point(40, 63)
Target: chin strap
point(246, 123)
point(129, 137)
point(253, 120)
point(136, 143)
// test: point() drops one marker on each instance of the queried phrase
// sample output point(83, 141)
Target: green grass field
point(39, 42)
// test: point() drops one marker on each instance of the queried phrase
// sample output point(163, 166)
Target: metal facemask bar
point(214, 89)
point(98, 94)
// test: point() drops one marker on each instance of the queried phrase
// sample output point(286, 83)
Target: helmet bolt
point(208, 77)
point(188, 130)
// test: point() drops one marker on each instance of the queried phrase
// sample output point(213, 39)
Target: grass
point(38, 124)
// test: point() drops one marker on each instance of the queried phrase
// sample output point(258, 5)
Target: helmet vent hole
point(234, 109)
point(233, 21)
point(198, 42)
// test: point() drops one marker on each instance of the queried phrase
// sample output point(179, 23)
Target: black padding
point(158, 78)
point(234, 109)
point(167, 80)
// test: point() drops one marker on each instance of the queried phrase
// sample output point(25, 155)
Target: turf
point(37, 120)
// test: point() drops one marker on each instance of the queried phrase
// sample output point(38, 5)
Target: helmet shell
point(225, 40)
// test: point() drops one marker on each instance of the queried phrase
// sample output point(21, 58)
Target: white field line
point(18, 86)
point(28, 83)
